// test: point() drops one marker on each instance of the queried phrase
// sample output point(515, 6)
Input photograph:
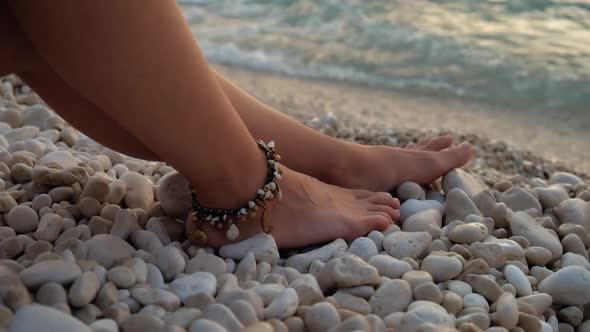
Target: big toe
point(375, 222)
point(385, 210)
point(432, 143)
point(384, 198)
point(439, 143)
point(456, 156)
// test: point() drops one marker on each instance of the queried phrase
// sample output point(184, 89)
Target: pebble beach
point(93, 240)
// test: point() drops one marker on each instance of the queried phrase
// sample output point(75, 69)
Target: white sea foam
point(527, 52)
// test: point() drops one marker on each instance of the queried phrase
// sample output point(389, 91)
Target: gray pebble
point(38, 317)
point(363, 247)
point(51, 293)
point(84, 289)
point(121, 276)
point(321, 316)
point(244, 312)
point(170, 262)
point(246, 268)
point(221, 314)
point(206, 325)
point(261, 245)
point(207, 263)
point(22, 219)
point(43, 272)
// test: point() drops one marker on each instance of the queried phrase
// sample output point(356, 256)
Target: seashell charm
point(195, 234)
point(198, 237)
point(232, 232)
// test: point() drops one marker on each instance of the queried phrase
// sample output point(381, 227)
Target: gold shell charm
point(265, 221)
point(232, 232)
point(198, 237)
point(195, 233)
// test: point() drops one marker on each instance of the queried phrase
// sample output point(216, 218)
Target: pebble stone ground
point(90, 241)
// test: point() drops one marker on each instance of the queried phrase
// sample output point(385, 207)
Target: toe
point(432, 143)
point(382, 214)
point(376, 222)
point(456, 156)
point(391, 212)
point(439, 143)
point(420, 144)
point(384, 198)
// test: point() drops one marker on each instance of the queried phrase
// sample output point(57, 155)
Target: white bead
point(232, 233)
point(215, 219)
point(243, 211)
point(277, 175)
point(270, 161)
point(251, 204)
point(272, 185)
point(224, 217)
point(279, 195)
point(268, 195)
point(271, 145)
point(209, 217)
point(260, 192)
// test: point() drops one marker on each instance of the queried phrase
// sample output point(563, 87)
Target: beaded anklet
point(228, 219)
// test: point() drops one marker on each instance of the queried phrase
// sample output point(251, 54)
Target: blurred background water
point(519, 52)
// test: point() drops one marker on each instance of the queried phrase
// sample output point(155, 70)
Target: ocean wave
point(504, 52)
point(230, 54)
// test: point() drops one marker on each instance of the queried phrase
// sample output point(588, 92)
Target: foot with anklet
point(312, 211)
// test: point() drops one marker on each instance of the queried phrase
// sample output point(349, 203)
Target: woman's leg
point(118, 59)
point(154, 82)
point(343, 163)
point(81, 113)
point(17, 55)
point(326, 158)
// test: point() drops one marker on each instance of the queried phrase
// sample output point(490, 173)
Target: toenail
point(464, 144)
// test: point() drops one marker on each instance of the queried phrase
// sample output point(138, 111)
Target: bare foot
point(382, 168)
point(313, 212)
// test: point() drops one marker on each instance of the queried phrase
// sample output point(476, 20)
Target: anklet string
point(228, 219)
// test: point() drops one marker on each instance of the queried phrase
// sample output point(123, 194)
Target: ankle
point(233, 185)
point(345, 165)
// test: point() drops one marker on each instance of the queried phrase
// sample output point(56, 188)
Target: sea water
point(533, 52)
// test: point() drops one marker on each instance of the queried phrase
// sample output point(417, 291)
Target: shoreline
point(555, 136)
